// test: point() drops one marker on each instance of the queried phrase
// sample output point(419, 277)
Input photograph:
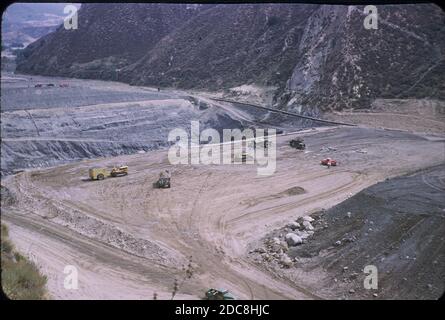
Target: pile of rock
point(293, 234)
point(274, 250)
point(301, 229)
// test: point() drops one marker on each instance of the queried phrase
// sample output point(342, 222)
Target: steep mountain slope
point(343, 64)
point(318, 57)
point(109, 36)
point(227, 45)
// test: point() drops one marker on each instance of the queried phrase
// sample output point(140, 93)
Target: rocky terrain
point(129, 240)
point(317, 56)
point(110, 92)
point(421, 115)
point(389, 225)
point(45, 126)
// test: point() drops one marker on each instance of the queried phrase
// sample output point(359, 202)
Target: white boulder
point(308, 219)
point(293, 225)
point(304, 234)
point(308, 226)
point(286, 261)
point(293, 240)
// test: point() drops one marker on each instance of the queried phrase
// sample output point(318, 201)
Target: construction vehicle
point(102, 173)
point(119, 171)
point(98, 173)
point(163, 181)
point(328, 162)
point(219, 294)
point(298, 144)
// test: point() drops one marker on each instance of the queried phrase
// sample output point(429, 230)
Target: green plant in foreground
point(20, 278)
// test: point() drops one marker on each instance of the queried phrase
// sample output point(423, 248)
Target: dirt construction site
point(228, 225)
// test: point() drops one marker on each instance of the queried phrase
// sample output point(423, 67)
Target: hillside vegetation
point(20, 277)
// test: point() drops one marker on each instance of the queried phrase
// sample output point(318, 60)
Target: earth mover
point(298, 144)
point(219, 294)
point(98, 173)
point(163, 181)
point(102, 173)
point(119, 171)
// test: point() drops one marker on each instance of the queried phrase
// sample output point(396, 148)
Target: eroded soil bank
point(397, 225)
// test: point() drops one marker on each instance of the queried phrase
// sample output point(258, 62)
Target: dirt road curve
point(129, 240)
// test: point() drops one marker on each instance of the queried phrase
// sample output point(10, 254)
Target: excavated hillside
point(314, 56)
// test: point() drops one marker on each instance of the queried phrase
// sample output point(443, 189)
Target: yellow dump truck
point(102, 173)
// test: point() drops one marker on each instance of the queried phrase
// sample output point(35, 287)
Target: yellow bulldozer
point(119, 171)
point(102, 173)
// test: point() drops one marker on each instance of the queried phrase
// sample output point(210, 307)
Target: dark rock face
point(345, 65)
point(317, 56)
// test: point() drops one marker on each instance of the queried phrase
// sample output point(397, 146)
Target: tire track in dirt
point(202, 211)
point(283, 207)
point(97, 249)
point(225, 270)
